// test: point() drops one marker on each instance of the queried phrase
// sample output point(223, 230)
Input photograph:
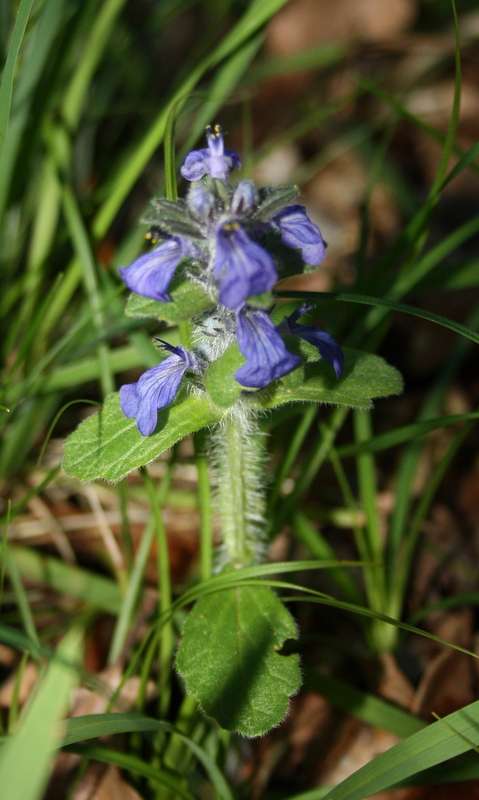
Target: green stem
point(238, 460)
point(205, 508)
point(157, 498)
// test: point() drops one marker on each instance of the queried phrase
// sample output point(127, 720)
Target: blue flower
point(328, 348)
point(242, 267)
point(297, 231)
point(156, 388)
point(213, 160)
point(150, 274)
point(266, 356)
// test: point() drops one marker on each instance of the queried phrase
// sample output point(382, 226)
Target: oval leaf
point(229, 661)
point(108, 445)
point(187, 300)
point(365, 377)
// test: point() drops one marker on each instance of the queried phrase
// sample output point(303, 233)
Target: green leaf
point(27, 756)
point(108, 445)
point(455, 734)
point(365, 377)
point(220, 382)
point(8, 75)
point(187, 300)
point(229, 661)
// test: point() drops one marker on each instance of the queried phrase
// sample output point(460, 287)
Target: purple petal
point(195, 165)
point(129, 400)
point(156, 389)
point(327, 346)
point(266, 356)
point(297, 231)
point(213, 160)
point(242, 267)
point(150, 275)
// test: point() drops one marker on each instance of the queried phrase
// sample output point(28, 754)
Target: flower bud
point(245, 197)
point(201, 202)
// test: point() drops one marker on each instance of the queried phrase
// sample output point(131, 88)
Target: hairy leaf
point(365, 377)
point(220, 382)
point(108, 445)
point(187, 300)
point(229, 660)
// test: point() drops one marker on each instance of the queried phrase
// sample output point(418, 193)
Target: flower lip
point(300, 233)
point(150, 274)
point(156, 388)
point(328, 348)
point(242, 267)
point(267, 358)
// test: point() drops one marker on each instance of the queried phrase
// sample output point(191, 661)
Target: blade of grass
point(364, 706)
point(382, 302)
point(34, 742)
point(8, 74)
point(93, 726)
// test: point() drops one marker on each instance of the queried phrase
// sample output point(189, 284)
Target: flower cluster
point(221, 234)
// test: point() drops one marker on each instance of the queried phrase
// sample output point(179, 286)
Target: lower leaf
point(229, 659)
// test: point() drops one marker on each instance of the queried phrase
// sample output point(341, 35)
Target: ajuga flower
point(266, 356)
point(328, 348)
point(242, 267)
point(213, 160)
point(217, 228)
point(150, 275)
point(297, 231)
point(156, 388)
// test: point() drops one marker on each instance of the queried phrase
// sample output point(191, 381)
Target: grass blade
point(27, 755)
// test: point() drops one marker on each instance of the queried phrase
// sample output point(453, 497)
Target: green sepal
point(365, 377)
point(229, 660)
point(263, 301)
point(219, 378)
point(173, 217)
point(108, 445)
point(273, 200)
point(188, 299)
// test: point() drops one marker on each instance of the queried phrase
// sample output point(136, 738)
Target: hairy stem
point(238, 468)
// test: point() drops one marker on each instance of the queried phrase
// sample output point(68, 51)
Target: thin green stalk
point(15, 701)
point(22, 599)
point(368, 492)
point(166, 639)
point(129, 601)
point(409, 545)
point(294, 446)
point(304, 530)
point(86, 258)
point(309, 471)
point(205, 507)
